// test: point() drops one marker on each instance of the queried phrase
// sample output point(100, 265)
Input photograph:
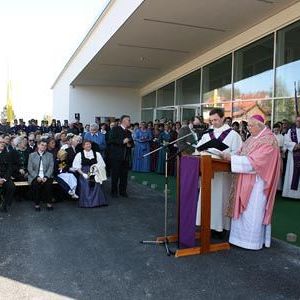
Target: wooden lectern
point(208, 166)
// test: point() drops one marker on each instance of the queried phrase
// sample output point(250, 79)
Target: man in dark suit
point(31, 143)
point(6, 184)
point(120, 141)
point(185, 144)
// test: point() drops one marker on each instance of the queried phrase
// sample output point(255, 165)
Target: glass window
point(188, 88)
point(149, 100)
point(188, 113)
point(147, 115)
point(165, 95)
point(284, 109)
point(165, 115)
point(206, 108)
point(253, 70)
point(217, 81)
point(242, 110)
point(287, 60)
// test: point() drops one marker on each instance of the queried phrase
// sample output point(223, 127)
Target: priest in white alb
point(220, 185)
point(258, 166)
point(291, 186)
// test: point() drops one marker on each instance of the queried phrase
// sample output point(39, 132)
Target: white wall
point(91, 101)
point(105, 27)
point(61, 101)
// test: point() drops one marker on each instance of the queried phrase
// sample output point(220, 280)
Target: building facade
point(175, 62)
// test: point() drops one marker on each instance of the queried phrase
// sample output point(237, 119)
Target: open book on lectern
point(214, 145)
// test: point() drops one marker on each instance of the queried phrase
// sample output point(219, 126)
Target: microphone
point(207, 131)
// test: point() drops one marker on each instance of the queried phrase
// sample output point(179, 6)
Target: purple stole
point(223, 135)
point(189, 181)
point(296, 156)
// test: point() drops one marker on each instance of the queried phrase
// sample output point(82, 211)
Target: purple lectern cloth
point(189, 182)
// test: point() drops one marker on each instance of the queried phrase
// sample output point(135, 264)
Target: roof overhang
point(163, 35)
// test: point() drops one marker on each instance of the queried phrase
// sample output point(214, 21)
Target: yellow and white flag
point(9, 105)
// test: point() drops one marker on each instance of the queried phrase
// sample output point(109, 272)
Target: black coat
point(5, 165)
point(118, 150)
point(70, 156)
point(185, 145)
point(31, 150)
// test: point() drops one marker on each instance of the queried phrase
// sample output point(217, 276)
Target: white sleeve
point(281, 140)
point(241, 164)
point(77, 161)
point(204, 139)
point(288, 144)
point(100, 161)
point(236, 143)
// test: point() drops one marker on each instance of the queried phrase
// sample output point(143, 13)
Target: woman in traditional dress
point(142, 138)
point(164, 139)
point(63, 176)
point(173, 149)
point(154, 144)
point(22, 156)
point(90, 192)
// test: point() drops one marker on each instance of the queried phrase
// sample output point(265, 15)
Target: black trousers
point(119, 176)
point(8, 189)
point(41, 191)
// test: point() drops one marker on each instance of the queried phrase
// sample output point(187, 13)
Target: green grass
point(286, 218)
point(286, 213)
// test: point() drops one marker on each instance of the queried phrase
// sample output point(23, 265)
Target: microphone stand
point(165, 242)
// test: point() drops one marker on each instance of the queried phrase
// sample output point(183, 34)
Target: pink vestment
point(264, 156)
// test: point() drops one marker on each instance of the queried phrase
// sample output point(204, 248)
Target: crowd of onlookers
point(40, 153)
point(151, 136)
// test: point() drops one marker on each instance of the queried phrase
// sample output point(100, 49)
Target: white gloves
point(85, 176)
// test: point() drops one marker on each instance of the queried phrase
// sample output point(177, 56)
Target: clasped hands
point(40, 179)
point(85, 176)
point(225, 156)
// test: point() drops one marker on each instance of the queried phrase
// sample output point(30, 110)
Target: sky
point(37, 38)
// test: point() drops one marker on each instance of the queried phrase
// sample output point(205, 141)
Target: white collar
point(222, 128)
point(123, 127)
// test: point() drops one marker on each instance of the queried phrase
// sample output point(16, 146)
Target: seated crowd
point(38, 155)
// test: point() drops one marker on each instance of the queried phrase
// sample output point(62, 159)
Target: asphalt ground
point(96, 253)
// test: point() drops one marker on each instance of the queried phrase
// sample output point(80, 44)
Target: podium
point(208, 166)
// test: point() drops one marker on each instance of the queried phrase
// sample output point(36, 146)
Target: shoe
point(217, 235)
point(74, 196)
point(37, 208)
point(49, 208)
point(71, 192)
point(125, 195)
